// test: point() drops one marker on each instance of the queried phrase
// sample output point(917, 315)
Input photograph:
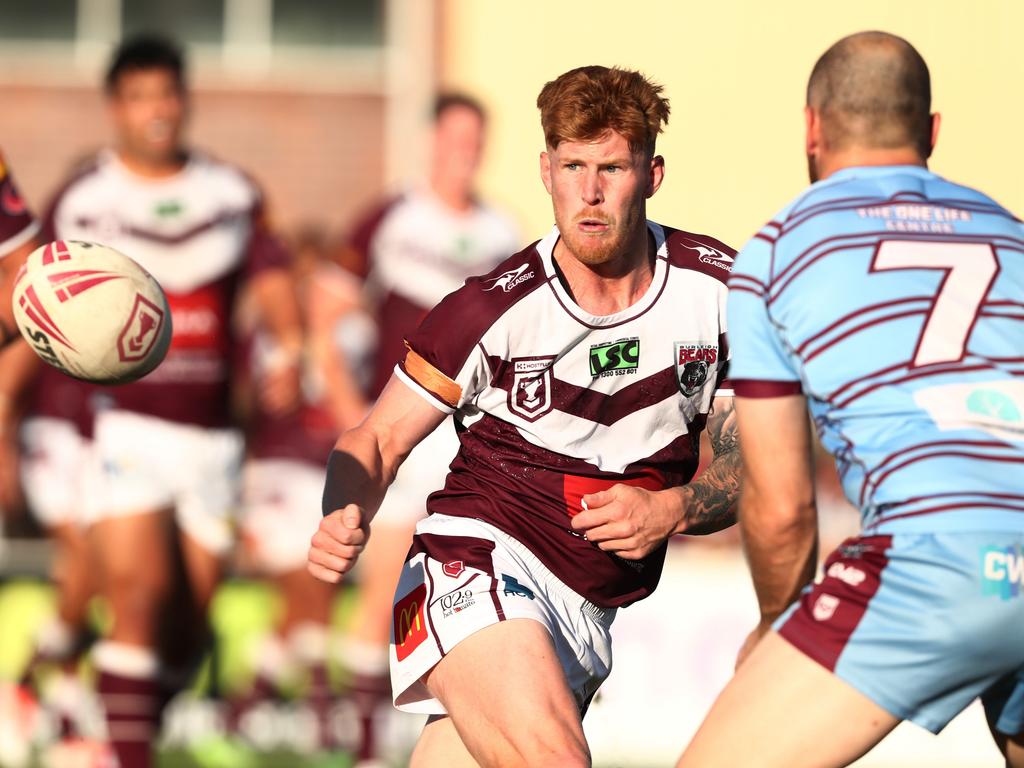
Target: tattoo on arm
point(714, 495)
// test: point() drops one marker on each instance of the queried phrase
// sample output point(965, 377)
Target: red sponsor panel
point(200, 319)
point(575, 487)
point(410, 622)
point(830, 613)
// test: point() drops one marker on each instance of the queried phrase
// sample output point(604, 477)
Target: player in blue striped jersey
point(888, 301)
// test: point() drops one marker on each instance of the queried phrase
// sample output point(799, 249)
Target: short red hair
point(585, 103)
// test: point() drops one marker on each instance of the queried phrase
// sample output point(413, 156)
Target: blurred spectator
point(169, 457)
point(414, 249)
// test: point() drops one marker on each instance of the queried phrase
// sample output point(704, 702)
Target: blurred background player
point(414, 250)
point(170, 458)
point(284, 471)
point(889, 300)
point(18, 230)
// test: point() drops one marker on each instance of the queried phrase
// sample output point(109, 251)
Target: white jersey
point(553, 403)
point(415, 251)
point(198, 233)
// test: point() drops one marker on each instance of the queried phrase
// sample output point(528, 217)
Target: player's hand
point(337, 543)
point(631, 522)
point(751, 642)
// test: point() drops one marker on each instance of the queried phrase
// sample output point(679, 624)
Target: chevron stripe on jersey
point(892, 298)
point(552, 402)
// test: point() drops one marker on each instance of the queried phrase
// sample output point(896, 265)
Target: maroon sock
point(369, 693)
point(132, 706)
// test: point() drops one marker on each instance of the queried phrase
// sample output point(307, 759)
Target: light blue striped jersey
point(894, 300)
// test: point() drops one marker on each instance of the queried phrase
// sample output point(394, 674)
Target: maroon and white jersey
point(552, 403)
point(198, 233)
point(17, 225)
point(414, 252)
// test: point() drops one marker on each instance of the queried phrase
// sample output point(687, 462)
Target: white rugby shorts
point(422, 473)
point(280, 511)
point(58, 470)
point(462, 575)
point(149, 464)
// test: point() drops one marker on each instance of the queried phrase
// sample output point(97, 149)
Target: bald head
point(873, 90)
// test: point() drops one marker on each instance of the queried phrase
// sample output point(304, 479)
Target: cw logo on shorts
point(1002, 571)
point(410, 624)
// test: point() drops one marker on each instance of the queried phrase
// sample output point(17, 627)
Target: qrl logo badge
point(410, 623)
point(141, 331)
point(530, 394)
point(695, 361)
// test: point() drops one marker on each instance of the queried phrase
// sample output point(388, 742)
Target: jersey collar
point(546, 248)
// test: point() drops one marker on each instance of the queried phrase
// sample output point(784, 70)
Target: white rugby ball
point(92, 312)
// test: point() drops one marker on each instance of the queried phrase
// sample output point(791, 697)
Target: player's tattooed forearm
point(714, 494)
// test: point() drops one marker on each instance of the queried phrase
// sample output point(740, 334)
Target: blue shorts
point(921, 624)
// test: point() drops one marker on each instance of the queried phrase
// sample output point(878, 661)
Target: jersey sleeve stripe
point(758, 388)
point(415, 386)
point(431, 379)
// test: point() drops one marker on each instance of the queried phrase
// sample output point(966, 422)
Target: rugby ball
point(92, 312)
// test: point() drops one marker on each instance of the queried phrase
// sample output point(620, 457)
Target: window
point(187, 21)
point(38, 19)
point(328, 22)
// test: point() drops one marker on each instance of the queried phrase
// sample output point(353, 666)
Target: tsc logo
point(694, 362)
point(410, 624)
point(509, 280)
point(825, 607)
point(141, 330)
point(1002, 571)
point(530, 394)
point(615, 359)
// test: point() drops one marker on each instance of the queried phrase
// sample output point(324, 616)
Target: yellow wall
point(735, 72)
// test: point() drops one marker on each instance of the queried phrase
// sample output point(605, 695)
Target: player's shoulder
point(482, 299)
point(85, 175)
point(699, 253)
point(223, 178)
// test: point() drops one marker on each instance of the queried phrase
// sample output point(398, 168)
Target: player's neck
point(614, 286)
point(454, 196)
point(831, 162)
point(152, 167)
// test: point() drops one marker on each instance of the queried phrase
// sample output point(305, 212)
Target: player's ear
point(545, 170)
point(936, 122)
point(657, 174)
point(812, 120)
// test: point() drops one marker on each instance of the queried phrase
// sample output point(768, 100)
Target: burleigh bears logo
point(1002, 571)
point(695, 362)
point(615, 359)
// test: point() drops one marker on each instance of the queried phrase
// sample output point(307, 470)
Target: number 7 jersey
point(892, 299)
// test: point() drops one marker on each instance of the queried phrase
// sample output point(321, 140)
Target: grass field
point(194, 734)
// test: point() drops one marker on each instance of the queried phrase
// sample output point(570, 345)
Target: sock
point(308, 643)
point(369, 689)
point(129, 687)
